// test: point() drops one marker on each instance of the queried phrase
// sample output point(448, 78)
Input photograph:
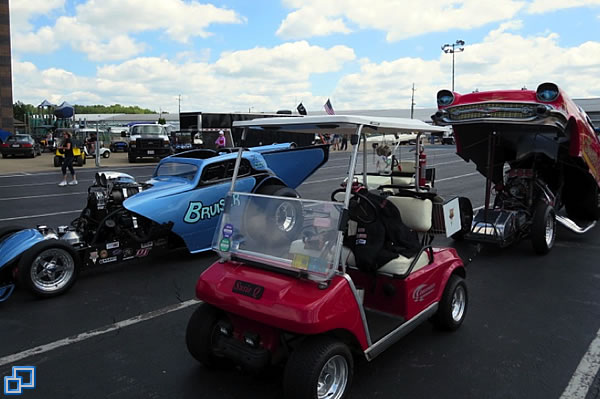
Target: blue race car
point(124, 219)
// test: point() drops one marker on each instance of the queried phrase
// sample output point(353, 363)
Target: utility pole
point(179, 98)
point(412, 102)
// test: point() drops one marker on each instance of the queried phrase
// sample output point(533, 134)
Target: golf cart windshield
point(292, 234)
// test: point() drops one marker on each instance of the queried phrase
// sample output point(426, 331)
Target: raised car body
point(553, 153)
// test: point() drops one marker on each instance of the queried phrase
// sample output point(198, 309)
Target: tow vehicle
point(311, 284)
point(538, 151)
point(125, 220)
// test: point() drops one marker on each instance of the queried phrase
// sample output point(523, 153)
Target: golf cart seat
point(416, 214)
point(375, 180)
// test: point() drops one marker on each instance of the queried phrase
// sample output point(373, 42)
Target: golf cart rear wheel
point(321, 367)
point(57, 161)
point(48, 269)
point(201, 336)
point(106, 154)
point(453, 306)
point(80, 160)
point(543, 228)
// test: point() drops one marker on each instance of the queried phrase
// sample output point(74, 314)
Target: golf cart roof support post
point(417, 164)
point(364, 172)
point(340, 239)
point(238, 160)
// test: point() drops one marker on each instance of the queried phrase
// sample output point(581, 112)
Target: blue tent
point(4, 135)
point(64, 110)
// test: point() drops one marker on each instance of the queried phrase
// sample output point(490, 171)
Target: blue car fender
point(17, 243)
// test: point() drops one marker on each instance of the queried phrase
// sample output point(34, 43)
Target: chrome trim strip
point(363, 316)
point(391, 338)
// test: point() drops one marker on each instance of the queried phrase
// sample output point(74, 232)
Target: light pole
point(453, 48)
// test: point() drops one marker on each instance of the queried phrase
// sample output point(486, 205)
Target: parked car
point(124, 219)
point(553, 154)
point(20, 144)
point(148, 141)
point(118, 146)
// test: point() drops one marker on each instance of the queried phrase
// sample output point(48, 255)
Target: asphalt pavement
point(532, 328)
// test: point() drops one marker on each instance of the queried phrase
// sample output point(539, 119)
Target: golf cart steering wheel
point(361, 212)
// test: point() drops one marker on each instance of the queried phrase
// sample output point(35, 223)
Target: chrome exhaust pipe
point(574, 227)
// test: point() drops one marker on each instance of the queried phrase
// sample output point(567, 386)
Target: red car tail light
point(4, 145)
point(26, 145)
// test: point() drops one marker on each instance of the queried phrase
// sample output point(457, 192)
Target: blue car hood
point(160, 188)
point(18, 243)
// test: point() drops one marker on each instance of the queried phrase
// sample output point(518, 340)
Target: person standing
point(344, 142)
point(221, 142)
point(67, 147)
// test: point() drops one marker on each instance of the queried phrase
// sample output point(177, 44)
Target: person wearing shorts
point(67, 147)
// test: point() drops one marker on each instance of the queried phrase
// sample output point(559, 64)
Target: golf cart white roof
point(342, 124)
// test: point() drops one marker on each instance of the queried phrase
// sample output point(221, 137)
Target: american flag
point(328, 108)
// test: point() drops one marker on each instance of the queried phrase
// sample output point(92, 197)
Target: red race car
point(310, 283)
point(539, 153)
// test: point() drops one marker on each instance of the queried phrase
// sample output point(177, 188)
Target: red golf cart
point(310, 284)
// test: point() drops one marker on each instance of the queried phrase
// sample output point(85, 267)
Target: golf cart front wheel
point(321, 367)
point(201, 336)
point(453, 306)
point(543, 228)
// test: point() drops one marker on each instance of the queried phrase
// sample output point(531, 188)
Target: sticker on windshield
point(301, 261)
point(198, 211)
point(225, 245)
point(228, 230)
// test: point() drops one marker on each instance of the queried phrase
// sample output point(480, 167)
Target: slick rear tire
point(283, 219)
point(543, 228)
point(57, 161)
point(201, 335)
point(48, 269)
point(453, 305)
point(320, 367)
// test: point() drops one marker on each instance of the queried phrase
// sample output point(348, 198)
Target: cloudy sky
point(266, 55)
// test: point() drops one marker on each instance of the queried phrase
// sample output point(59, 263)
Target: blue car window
point(183, 170)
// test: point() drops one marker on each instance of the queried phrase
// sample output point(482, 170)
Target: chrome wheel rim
point(333, 378)
point(285, 216)
point(459, 303)
point(549, 230)
point(52, 270)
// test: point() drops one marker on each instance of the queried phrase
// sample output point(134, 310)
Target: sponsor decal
point(94, 256)
point(147, 244)
point(128, 253)
point(142, 252)
point(225, 245)
point(422, 291)
point(117, 251)
point(160, 242)
point(198, 211)
point(103, 253)
point(248, 289)
point(228, 230)
point(112, 245)
point(107, 260)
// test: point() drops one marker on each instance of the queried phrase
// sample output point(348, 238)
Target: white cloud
point(263, 78)
point(102, 29)
point(21, 11)
point(543, 6)
point(400, 19)
point(503, 60)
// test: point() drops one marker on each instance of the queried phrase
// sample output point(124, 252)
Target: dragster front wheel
point(543, 228)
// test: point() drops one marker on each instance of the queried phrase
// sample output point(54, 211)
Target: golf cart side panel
point(18, 243)
point(420, 288)
point(295, 165)
point(287, 303)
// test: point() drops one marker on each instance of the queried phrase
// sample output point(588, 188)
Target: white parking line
point(584, 375)
point(456, 177)
point(39, 216)
point(92, 170)
point(42, 196)
point(54, 183)
point(38, 350)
